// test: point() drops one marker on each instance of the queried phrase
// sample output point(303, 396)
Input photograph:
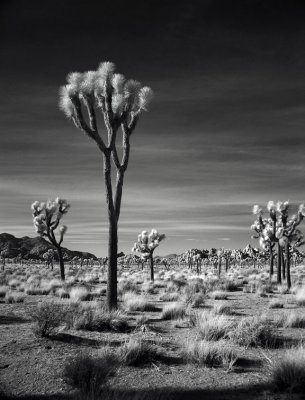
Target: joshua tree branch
point(118, 192)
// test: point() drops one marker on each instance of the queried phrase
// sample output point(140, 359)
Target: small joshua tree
point(121, 103)
point(146, 246)
point(46, 218)
point(48, 256)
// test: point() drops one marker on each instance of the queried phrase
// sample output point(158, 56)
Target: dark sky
point(225, 131)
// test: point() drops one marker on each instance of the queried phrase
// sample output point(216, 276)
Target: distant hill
point(34, 248)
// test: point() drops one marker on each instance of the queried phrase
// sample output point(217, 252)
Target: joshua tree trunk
point(279, 264)
point(283, 264)
point(219, 266)
point(288, 266)
point(227, 264)
point(112, 265)
point(61, 263)
point(113, 237)
point(271, 264)
point(151, 259)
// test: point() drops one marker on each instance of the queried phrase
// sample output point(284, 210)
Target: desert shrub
point(138, 352)
point(101, 320)
point(210, 326)
point(149, 288)
point(170, 297)
point(179, 282)
point(127, 286)
point(288, 374)
point(254, 331)
point(13, 297)
point(90, 374)
point(276, 303)
point(197, 300)
point(79, 294)
point(133, 302)
point(173, 311)
point(229, 285)
point(218, 295)
point(300, 296)
point(211, 354)
point(3, 291)
point(48, 316)
point(222, 308)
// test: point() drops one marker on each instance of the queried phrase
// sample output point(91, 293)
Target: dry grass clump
point(291, 320)
point(276, 303)
point(210, 354)
point(300, 297)
point(127, 286)
point(14, 283)
point(3, 291)
point(90, 374)
point(218, 295)
point(170, 297)
point(173, 311)
point(36, 290)
point(282, 289)
point(288, 374)
point(79, 294)
point(137, 352)
point(197, 300)
point(254, 331)
point(14, 297)
point(102, 320)
point(133, 302)
point(48, 316)
point(222, 308)
point(210, 326)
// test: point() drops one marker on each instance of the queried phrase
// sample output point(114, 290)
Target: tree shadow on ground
point(12, 319)
point(82, 341)
point(249, 392)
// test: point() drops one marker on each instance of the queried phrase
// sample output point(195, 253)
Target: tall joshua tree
point(121, 103)
point(46, 218)
point(146, 246)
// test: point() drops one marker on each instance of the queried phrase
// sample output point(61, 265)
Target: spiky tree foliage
point(279, 229)
point(46, 218)
point(121, 103)
point(146, 245)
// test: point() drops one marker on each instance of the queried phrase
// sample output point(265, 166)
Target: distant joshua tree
point(121, 103)
point(146, 246)
point(46, 218)
point(48, 256)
